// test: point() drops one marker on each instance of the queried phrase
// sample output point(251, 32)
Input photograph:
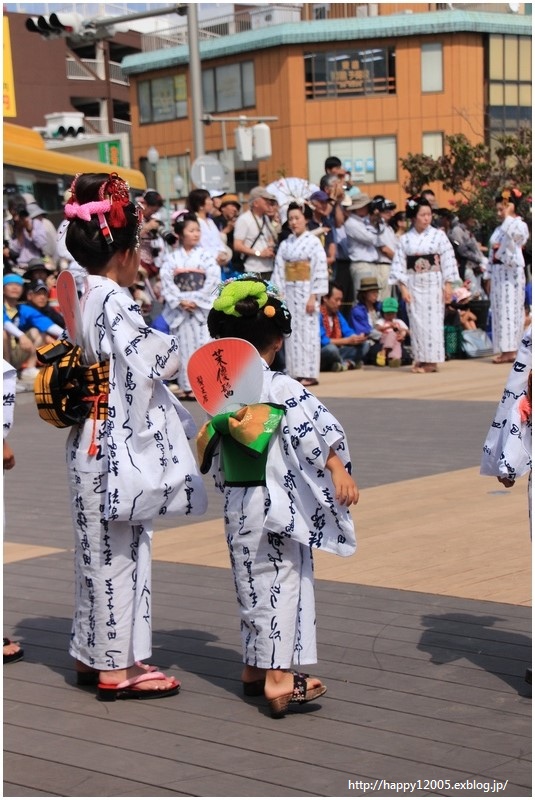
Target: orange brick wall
point(279, 74)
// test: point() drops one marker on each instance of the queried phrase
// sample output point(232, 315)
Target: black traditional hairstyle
point(303, 207)
point(103, 220)
point(413, 205)
point(180, 223)
point(249, 308)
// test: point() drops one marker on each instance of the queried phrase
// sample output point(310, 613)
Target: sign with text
point(10, 107)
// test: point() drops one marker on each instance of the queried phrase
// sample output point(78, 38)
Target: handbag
point(476, 344)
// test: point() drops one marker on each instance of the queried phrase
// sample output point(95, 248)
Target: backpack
point(65, 389)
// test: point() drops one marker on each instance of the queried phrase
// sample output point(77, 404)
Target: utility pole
point(195, 80)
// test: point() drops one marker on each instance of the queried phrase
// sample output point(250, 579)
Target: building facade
point(368, 89)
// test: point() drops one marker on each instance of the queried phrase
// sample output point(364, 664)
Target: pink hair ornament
point(85, 211)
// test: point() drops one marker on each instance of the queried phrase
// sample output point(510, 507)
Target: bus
point(29, 168)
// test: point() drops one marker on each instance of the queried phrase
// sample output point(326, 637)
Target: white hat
point(34, 210)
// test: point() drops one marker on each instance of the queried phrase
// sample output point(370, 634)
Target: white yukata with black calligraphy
point(143, 468)
point(193, 275)
point(507, 448)
point(272, 529)
point(9, 388)
point(427, 307)
point(302, 350)
point(507, 283)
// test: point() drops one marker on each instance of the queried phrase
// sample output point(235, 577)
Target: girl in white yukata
point(295, 496)
point(302, 275)
point(190, 275)
point(130, 460)
point(12, 651)
point(507, 277)
point(507, 448)
point(424, 266)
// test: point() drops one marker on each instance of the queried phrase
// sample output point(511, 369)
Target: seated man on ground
point(364, 315)
point(25, 329)
point(38, 297)
point(341, 347)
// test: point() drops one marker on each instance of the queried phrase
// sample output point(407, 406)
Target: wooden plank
point(41, 778)
point(183, 743)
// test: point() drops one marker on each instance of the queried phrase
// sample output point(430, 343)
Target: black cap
point(38, 286)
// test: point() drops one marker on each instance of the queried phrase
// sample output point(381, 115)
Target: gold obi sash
point(297, 270)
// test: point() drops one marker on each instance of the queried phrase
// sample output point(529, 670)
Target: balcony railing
point(87, 68)
point(261, 17)
point(97, 125)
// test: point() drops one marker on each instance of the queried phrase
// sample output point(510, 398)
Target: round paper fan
point(225, 375)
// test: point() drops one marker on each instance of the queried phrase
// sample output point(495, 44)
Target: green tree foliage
point(474, 173)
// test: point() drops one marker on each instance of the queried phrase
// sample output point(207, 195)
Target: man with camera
point(254, 237)
point(381, 211)
point(27, 236)
point(152, 244)
point(363, 241)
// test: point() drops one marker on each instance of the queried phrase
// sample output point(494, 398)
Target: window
point(163, 99)
point(431, 67)
point(368, 160)
point(228, 87)
point(433, 145)
point(350, 73)
point(162, 176)
point(509, 83)
point(320, 10)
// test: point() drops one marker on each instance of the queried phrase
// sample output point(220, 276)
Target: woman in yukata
point(296, 497)
point(424, 266)
point(302, 275)
point(507, 276)
point(200, 204)
point(189, 275)
point(130, 460)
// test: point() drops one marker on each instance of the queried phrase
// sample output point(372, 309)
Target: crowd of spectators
point(369, 284)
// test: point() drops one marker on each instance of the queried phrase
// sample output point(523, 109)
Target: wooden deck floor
point(424, 636)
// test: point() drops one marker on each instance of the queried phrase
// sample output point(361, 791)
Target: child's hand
point(346, 490)
point(9, 456)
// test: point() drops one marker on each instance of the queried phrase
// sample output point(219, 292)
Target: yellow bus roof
point(25, 149)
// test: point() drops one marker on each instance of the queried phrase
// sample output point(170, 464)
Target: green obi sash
point(243, 436)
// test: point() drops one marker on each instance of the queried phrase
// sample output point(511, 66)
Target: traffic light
point(56, 26)
point(62, 124)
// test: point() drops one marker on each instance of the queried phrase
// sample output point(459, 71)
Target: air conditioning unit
point(266, 16)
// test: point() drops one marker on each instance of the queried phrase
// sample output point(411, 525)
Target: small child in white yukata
point(296, 497)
